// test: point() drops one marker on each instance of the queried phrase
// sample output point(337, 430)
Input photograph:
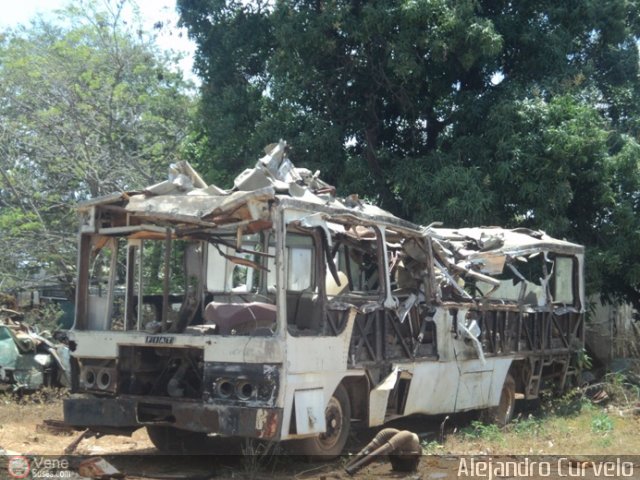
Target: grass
point(481, 431)
point(43, 396)
point(571, 424)
point(261, 457)
point(579, 423)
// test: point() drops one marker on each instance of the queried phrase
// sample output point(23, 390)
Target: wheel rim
point(333, 418)
point(506, 405)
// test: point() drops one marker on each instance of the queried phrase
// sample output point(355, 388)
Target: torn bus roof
point(185, 198)
point(484, 253)
point(484, 241)
point(486, 250)
point(200, 205)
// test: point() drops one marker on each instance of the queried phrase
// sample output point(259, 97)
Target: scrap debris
point(98, 468)
point(73, 445)
point(55, 427)
point(30, 359)
point(402, 447)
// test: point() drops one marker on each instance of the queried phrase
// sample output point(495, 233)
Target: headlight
point(89, 378)
point(244, 390)
point(104, 379)
point(241, 383)
point(98, 375)
point(224, 388)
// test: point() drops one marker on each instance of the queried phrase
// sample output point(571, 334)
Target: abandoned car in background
point(277, 311)
point(30, 360)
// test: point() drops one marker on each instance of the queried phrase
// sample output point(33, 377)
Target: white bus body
point(278, 311)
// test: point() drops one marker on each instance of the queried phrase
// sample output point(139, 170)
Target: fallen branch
point(73, 445)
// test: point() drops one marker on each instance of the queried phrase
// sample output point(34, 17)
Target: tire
point(503, 413)
point(330, 444)
point(173, 440)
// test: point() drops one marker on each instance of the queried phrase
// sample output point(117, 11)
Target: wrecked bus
point(278, 311)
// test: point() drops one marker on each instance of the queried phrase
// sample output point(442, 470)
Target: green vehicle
point(29, 361)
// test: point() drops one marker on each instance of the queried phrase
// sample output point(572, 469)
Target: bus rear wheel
point(503, 413)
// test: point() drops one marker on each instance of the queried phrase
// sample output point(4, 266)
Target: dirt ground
point(21, 431)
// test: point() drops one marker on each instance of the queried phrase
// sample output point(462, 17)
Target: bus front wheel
point(338, 422)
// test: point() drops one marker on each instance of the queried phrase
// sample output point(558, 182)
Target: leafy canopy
point(467, 112)
point(88, 106)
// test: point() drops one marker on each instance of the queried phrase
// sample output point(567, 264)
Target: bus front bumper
point(127, 412)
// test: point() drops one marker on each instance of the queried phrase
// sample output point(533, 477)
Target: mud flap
point(379, 397)
point(309, 405)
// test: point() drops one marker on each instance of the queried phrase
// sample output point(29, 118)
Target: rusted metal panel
point(125, 411)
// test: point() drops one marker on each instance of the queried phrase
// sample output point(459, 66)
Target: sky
point(15, 12)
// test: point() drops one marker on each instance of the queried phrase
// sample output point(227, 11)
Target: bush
point(44, 317)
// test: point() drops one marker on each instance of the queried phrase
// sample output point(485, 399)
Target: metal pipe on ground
point(403, 448)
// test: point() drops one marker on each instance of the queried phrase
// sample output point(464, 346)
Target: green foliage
point(601, 423)
point(432, 447)
point(479, 430)
point(45, 317)
point(529, 427)
point(483, 112)
point(88, 107)
point(153, 268)
point(621, 389)
point(570, 404)
point(583, 360)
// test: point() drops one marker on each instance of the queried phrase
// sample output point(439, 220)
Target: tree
point(470, 112)
point(88, 106)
